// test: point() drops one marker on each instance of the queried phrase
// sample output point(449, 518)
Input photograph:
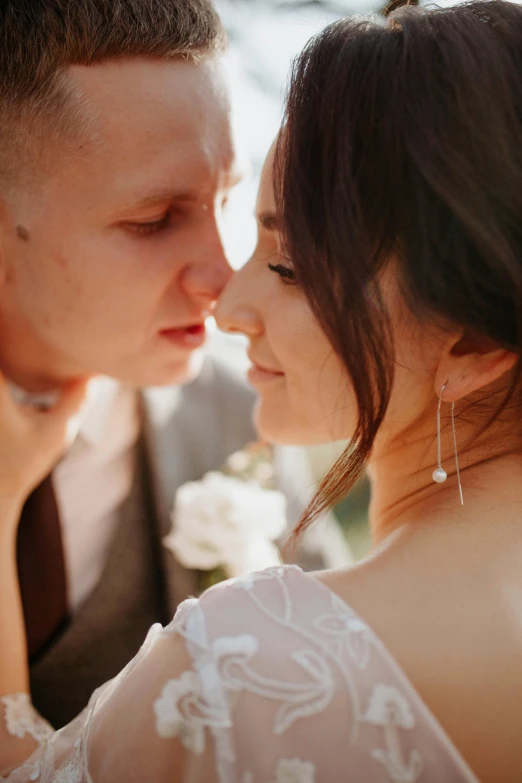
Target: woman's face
point(306, 395)
point(305, 392)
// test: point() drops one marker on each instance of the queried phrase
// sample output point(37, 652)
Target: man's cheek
point(61, 261)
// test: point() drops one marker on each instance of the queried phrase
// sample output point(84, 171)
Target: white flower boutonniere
point(225, 526)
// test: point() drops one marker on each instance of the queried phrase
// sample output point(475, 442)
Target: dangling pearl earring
point(439, 474)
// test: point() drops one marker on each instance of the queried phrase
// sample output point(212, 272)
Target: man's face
point(111, 265)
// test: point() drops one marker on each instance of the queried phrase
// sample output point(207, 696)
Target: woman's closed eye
point(286, 273)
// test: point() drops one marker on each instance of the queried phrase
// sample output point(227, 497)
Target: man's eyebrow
point(171, 195)
point(268, 220)
point(165, 195)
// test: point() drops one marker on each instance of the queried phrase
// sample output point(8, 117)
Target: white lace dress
point(265, 679)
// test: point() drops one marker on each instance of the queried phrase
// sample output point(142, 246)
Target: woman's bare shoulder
point(439, 601)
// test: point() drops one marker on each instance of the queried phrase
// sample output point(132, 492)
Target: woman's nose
point(236, 310)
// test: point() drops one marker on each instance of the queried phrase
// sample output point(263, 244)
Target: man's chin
point(173, 373)
point(184, 373)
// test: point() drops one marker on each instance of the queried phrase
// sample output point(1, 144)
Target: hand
point(32, 440)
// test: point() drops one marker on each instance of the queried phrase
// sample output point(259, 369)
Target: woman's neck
point(404, 492)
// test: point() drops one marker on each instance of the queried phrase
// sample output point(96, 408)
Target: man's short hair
point(40, 39)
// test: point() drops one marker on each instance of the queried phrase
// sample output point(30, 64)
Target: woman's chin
point(281, 427)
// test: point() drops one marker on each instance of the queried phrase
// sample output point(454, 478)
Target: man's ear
point(469, 362)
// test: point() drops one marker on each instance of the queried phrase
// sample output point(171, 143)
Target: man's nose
point(207, 275)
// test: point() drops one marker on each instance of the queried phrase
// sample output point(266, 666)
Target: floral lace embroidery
point(306, 654)
point(71, 773)
point(248, 581)
point(347, 631)
point(22, 720)
point(298, 700)
point(289, 771)
point(182, 712)
point(389, 709)
point(295, 771)
point(227, 663)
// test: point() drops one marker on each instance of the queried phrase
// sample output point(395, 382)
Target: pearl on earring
point(439, 475)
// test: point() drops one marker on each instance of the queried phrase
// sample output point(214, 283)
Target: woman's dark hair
point(404, 136)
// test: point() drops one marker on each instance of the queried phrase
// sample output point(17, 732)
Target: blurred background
point(265, 35)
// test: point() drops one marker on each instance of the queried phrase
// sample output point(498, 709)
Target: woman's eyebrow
point(268, 220)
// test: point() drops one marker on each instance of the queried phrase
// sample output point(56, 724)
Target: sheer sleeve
point(143, 725)
point(264, 679)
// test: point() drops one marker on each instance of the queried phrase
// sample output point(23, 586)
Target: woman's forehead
point(265, 194)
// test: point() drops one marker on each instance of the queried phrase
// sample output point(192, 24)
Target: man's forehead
point(183, 169)
point(159, 133)
point(133, 76)
point(139, 101)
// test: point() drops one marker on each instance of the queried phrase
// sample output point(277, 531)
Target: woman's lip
point(257, 374)
point(187, 336)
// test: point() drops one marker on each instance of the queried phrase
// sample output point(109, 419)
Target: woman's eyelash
point(284, 272)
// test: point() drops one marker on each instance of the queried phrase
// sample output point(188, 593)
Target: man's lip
point(194, 326)
point(189, 336)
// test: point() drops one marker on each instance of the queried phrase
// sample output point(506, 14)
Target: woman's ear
point(469, 362)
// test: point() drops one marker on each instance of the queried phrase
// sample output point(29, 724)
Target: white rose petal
point(193, 553)
point(222, 521)
point(239, 461)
